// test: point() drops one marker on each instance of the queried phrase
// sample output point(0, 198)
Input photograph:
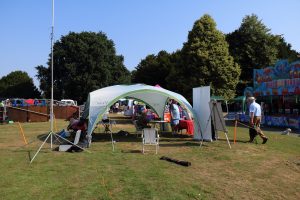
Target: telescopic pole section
point(234, 137)
point(51, 103)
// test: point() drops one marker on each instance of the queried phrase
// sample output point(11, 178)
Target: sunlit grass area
point(247, 171)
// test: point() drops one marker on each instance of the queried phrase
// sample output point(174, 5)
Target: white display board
point(201, 99)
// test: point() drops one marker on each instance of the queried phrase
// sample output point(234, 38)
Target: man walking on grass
point(255, 119)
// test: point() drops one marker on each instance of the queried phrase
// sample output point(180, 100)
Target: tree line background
point(86, 61)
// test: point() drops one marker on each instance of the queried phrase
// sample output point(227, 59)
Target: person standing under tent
point(117, 107)
point(255, 120)
point(175, 115)
point(180, 111)
point(105, 118)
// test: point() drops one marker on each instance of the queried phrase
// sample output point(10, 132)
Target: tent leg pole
point(201, 143)
point(112, 141)
point(208, 120)
point(227, 140)
point(202, 139)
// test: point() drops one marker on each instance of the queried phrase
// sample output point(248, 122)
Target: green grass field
point(247, 171)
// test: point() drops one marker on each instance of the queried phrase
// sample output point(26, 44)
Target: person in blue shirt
point(175, 115)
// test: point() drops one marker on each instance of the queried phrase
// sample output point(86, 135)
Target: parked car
point(67, 102)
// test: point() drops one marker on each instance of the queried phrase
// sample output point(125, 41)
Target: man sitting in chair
point(78, 124)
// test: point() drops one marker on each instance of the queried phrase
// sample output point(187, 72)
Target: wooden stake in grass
point(22, 133)
point(234, 136)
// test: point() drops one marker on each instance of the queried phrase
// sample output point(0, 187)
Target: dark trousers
point(255, 129)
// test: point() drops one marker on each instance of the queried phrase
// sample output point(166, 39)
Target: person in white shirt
point(117, 107)
point(105, 118)
point(255, 119)
point(175, 116)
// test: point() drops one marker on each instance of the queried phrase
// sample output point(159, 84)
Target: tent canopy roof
point(156, 97)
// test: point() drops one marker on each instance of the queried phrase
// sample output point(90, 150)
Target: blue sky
point(137, 27)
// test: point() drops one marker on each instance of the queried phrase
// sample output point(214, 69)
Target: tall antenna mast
point(51, 134)
point(52, 41)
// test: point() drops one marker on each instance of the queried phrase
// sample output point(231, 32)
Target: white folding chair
point(66, 147)
point(150, 136)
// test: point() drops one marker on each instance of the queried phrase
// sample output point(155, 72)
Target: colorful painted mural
point(278, 87)
point(282, 79)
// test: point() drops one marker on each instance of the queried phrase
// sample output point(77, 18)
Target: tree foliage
point(205, 60)
point(154, 69)
point(285, 50)
point(83, 62)
point(253, 46)
point(18, 84)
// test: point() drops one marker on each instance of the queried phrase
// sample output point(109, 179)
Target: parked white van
point(67, 102)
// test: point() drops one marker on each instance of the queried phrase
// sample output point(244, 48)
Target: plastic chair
point(150, 136)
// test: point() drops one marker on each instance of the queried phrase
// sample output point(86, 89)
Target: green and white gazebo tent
point(99, 101)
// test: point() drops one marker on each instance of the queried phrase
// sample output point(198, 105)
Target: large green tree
point(83, 62)
point(205, 60)
point(18, 84)
point(252, 46)
point(154, 69)
point(285, 50)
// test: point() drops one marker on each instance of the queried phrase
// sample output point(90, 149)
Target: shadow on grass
point(167, 139)
point(171, 141)
point(55, 139)
point(255, 141)
point(103, 137)
point(170, 135)
point(42, 137)
point(187, 144)
point(231, 141)
point(132, 151)
point(133, 137)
